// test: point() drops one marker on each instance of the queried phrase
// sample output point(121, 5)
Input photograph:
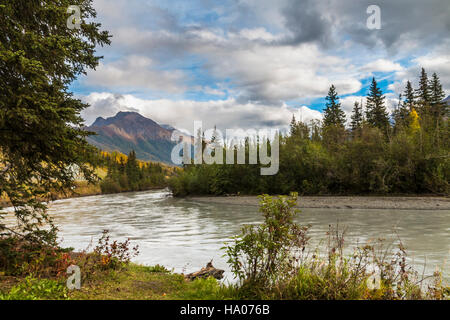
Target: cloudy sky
point(254, 63)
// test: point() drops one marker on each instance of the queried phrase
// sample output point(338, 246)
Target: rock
point(204, 273)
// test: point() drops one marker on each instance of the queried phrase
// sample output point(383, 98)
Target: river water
point(184, 235)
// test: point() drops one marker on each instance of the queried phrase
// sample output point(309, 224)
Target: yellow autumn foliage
point(414, 121)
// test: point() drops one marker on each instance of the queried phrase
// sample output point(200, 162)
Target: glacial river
point(184, 235)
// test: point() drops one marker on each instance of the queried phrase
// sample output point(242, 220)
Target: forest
point(126, 173)
point(405, 152)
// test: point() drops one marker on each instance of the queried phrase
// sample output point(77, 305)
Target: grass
point(137, 282)
point(133, 282)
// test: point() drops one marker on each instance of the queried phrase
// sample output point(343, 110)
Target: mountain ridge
point(128, 131)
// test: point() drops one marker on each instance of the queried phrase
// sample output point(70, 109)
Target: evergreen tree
point(357, 117)
point(42, 140)
point(405, 107)
point(409, 102)
point(376, 113)
point(438, 108)
point(298, 129)
point(132, 170)
point(293, 126)
point(333, 114)
point(423, 93)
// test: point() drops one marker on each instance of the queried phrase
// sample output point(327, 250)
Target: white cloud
point(136, 72)
point(258, 53)
point(382, 65)
point(256, 34)
point(272, 74)
point(214, 92)
point(305, 114)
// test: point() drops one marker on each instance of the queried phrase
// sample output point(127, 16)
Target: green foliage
point(131, 175)
point(37, 289)
point(333, 113)
point(423, 93)
point(357, 117)
point(157, 269)
point(264, 254)
point(42, 141)
point(205, 289)
point(376, 113)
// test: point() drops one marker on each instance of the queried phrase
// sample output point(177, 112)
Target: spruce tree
point(376, 113)
point(423, 93)
point(357, 117)
point(436, 97)
point(132, 171)
point(293, 126)
point(410, 101)
point(402, 115)
point(42, 136)
point(333, 114)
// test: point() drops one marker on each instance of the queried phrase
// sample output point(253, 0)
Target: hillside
point(128, 131)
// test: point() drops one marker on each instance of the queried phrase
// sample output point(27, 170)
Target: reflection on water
point(185, 235)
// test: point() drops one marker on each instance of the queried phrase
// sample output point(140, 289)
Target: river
point(184, 235)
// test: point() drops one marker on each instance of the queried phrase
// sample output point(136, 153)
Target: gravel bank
point(345, 202)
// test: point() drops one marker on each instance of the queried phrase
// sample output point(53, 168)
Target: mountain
point(447, 100)
point(128, 131)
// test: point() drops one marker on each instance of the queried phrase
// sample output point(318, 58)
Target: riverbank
point(344, 202)
point(82, 189)
point(132, 282)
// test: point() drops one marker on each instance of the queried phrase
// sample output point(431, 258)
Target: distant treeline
point(126, 173)
point(378, 153)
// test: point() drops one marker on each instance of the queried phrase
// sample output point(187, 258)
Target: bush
point(114, 254)
point(157, 269)
point(20, 257)
point(37, 289)
point(266, 254)
point(110, 186)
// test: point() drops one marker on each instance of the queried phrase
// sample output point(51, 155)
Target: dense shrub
point(266, 253)
point(37, 289)
point(113, 254)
